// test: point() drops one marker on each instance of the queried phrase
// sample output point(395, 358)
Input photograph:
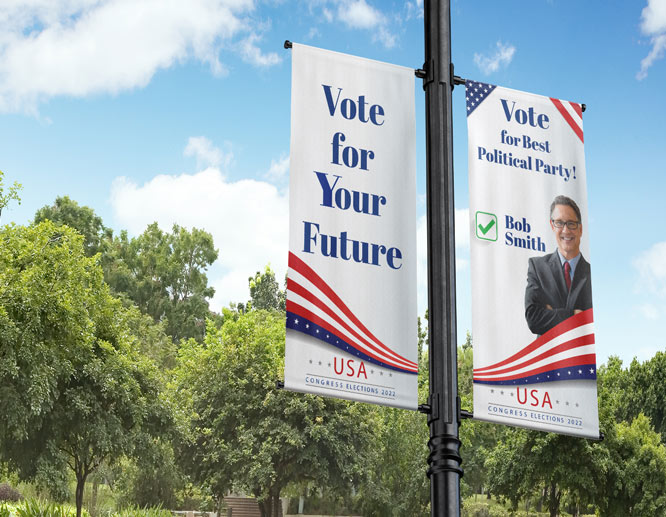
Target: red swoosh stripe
point(303, 312)
point(306, 271)
point(568, 345)
point(579, 361)
point(567, 116)
point(578, 320)
point(298, 289)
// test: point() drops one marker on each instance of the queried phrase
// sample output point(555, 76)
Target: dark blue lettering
point(329, 99)
point(327, 189)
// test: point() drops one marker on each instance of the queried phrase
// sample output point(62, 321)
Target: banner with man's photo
point(532, 319)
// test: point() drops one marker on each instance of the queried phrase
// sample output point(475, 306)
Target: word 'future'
point(342, 246)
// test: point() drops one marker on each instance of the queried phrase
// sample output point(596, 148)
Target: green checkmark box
point(486, 226)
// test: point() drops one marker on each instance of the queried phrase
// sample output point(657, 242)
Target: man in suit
point(551, 297)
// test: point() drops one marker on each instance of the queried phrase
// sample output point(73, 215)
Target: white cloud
point(653, 17)
point(651, 266)
point(248, 220)
point(252, 54)
point(414, 9)
point(385, 37)
point(82, 47)
point(358, 14)
point(501, 57)
point(278, 169)
point(653, 24)
point(206, 154)
point(313, 33)
point(657, 52)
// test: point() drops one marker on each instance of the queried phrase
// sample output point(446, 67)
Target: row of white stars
point(580, 372)
point(307, 326)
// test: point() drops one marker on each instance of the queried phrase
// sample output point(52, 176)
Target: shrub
point(9, 493)
point(135, 511)
point(37, 508)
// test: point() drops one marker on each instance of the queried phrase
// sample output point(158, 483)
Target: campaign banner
point(351, 282)
point(532, 319)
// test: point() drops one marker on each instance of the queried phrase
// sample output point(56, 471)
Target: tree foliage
point(11, 194)
point(265, 292)
point(81, 218)
point(51, 308)
point(634, 471)
point(245, 433)
point(164, 275)
point(74, 392)
point(646, 391)
point(395, 481)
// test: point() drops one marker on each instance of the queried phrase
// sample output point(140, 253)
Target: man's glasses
point(558, 223)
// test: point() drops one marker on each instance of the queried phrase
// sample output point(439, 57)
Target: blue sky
point(150, 110)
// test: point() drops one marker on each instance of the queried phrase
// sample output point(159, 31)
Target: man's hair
point(564, 200)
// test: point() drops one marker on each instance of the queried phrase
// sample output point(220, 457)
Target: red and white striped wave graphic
point(572, 113)
point(565, 352)
point(315, 309)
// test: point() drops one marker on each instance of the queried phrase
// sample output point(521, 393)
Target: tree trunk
point(539, 507)
point(80, 487)
point(218, 506)
point(554, 500)
point(264, 507)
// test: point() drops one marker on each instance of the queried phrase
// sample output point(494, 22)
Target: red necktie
point(567, 275)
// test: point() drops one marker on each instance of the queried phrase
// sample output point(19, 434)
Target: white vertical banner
point(351, 288)
point(532, 319)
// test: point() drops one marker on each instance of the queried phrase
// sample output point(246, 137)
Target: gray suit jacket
point(546, 285)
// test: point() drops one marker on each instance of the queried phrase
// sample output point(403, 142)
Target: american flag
point(475, 94)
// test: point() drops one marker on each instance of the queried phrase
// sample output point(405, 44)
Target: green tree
point(74, 391)
point(395, 481)
point(82, 218)
point(246, 433)
point(49, 301)
point(152, 338)
point(634, 471)
point(265, 292)
point(478, 438)
point(153, 478)
point(526, 462)
point(164, 275)
point(646, 392)
point(10, 195)
point(394, 474)
point(631, 461)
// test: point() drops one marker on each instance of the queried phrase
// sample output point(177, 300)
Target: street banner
point(532, 319)
point(351, 282)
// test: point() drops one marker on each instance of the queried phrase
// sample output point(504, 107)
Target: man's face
point(568, 240)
